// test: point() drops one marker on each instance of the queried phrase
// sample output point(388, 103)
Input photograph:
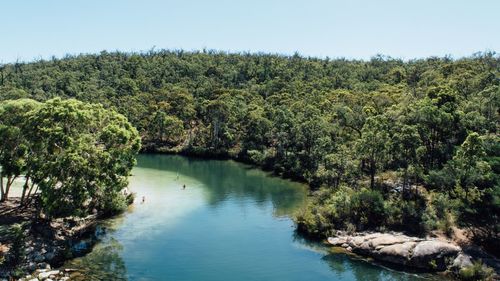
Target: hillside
point(405, 145)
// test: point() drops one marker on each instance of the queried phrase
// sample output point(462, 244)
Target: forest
point(384, 144)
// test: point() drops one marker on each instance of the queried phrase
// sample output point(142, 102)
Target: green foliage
point(440, 213)
point(79, 155)
point(406, 215)
point(374, 145)
point(330, 123)
point(342, 209)
point(14, 147)
point(476, 272)
point(17, 251)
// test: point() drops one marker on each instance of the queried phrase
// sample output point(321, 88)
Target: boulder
point(356, 241)
point(47, 274)
point(401, 249)
point(388, 239)
point(397, 253)
point(433, 248)
point(461, 261)
point(431, 254)
point(365, 247)
point(337, 241)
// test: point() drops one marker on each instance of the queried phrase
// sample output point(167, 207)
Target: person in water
point(143, 199)
point(183, 186)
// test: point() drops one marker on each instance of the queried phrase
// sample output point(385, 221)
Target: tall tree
point(84, 155)
point(374, 146)
point(14, 148)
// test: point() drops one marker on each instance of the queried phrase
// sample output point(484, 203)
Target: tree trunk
point(1, 188)
point(9, 184)
point(31, 189)
point(405, 184)
point(25, 188)
point(5, 194)
point(372, 174)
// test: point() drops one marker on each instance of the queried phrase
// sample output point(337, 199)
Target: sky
point(407, 29)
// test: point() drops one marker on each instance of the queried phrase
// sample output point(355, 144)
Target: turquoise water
point(231, 222)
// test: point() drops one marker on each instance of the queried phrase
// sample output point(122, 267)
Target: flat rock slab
point(431, 248)
point(337, 241)
point(400, 249)
point(388, 239)
point(403, 250)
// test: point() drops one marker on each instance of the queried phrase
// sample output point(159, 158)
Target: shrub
point(17, 249)
point(115, 204)
point(405, 214)
point(477, 271)
point(439, 213)
point(343, 208)
point(368, 208)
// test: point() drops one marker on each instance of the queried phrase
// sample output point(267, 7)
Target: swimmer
point(183, 186)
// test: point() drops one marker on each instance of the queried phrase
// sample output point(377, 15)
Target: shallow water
point(231, 222)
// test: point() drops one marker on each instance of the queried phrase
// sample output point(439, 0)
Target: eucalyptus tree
point(84, 154)
point(374, 146)
point(14, 147)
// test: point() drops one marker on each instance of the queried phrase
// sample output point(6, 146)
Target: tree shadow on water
point(104, 262)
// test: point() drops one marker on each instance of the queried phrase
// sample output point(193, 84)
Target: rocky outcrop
point(396, 248)
point(51, 275)
point(47, 243)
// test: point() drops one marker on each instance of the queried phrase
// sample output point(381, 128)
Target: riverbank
point(208, 154)
point(168, 185)
point(30, 243)
point(426, 254)
point(441, 254)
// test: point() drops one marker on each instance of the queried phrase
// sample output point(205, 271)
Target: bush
point(328, 210)
point(477, 271)
point(406, 215)
point(368, 208)
point(115, 204)
point(17, 249)
point(343, 208)
point(440, 213)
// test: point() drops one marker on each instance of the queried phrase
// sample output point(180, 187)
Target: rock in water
point(336, 241)
point(401, 249)
point(397, 253)
point(388, 239)
point(431, 254)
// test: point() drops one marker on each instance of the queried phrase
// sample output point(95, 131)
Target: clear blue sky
point(350, 28)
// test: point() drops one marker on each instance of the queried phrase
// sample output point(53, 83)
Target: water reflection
point(105, 262)
point(352, 267)
point(231, 222)
point(223, 179)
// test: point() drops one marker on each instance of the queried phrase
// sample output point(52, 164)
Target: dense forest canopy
point(399, 142)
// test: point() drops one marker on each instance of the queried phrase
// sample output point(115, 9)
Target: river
point(230, 222)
